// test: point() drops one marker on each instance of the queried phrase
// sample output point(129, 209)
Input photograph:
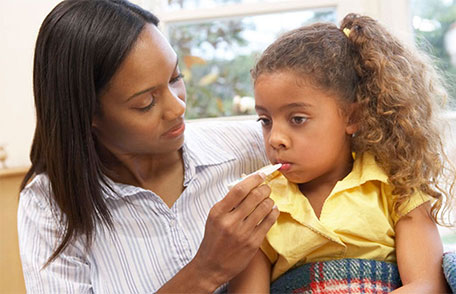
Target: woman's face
point(143, 107)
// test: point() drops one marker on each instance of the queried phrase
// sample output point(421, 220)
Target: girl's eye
point(177, 78)
point(148, 107)
point(264, 121)
point(298, 120)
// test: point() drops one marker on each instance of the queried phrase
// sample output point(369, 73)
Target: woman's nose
point(174, 106)
point(278, 138)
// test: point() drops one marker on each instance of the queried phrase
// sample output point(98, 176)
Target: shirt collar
point(365, 169)
point(289, 199)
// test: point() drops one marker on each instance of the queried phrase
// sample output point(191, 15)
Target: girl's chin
point(291, 177)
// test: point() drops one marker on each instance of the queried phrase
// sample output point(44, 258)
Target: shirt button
point(172, 223)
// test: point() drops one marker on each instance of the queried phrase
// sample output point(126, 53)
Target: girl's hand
point(235, 228)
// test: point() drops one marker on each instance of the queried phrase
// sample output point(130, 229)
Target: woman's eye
point(264, 121)
point(148, 107)
point(298, 120)
point(177, 78)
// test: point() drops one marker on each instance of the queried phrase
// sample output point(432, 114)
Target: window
point(216, 57)
point(434, 24)
point(217, 41)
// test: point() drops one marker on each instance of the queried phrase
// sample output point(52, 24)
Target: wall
point(19, 25)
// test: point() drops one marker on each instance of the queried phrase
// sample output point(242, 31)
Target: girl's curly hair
point(398, 95)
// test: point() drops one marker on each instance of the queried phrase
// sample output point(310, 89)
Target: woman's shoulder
point(229, 139)
point(223, 125)
point(38, 182)
point(38, 191)
point(227, 130)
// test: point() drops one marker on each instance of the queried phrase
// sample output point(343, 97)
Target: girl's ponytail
point(398, 94)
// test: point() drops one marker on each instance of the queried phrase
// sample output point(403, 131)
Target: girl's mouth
point(285, 166)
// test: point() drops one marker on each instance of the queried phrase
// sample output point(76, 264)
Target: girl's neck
point(317, 190)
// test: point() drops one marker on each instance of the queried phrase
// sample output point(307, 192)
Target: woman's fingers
point(254, 202)
point(230, 243)
point(266, 223)
point(258, 213)
point(235, 228)
point(240, 191)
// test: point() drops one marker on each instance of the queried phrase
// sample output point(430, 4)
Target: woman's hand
point(235, 229)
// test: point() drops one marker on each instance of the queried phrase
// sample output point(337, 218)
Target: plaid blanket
point(449, 268)
point(339, 276)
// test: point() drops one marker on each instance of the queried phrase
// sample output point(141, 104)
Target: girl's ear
point(352, 119)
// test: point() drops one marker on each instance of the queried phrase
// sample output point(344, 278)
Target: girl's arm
point(419, 253)
point(256, 277)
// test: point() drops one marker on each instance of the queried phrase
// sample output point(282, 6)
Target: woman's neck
point(143, 170)
point(161, 173)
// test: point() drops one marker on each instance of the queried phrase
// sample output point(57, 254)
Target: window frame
point(394, 14)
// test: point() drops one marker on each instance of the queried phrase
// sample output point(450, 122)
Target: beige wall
point(19, 24)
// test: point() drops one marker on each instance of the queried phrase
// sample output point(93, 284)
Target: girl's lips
point(285, 166)
point(175, 131)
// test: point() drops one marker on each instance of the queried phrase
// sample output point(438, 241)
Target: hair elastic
point(346, 32)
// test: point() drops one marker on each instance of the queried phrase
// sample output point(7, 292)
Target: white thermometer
point(266, 170)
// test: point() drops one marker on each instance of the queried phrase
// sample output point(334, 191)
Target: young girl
point(350, 114)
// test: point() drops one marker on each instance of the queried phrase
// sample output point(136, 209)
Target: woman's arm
point(419, 253)
point(256, 278)
point(235, 228)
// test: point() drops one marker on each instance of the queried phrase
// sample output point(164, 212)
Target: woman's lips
point(175, 131)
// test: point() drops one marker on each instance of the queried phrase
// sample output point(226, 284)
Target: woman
point(118, 200)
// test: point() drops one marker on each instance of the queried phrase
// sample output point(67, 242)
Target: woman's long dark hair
point(80, 45)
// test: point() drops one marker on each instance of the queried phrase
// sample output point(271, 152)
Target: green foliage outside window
point(216, 58)
point(212, 82)
point(440, 17)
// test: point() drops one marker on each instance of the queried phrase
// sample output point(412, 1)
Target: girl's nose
point(278, 138)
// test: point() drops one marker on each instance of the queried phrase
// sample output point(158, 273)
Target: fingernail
point(262, 174)
point(274, 207)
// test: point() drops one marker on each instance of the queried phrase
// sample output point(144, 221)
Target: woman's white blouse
point(150, 242)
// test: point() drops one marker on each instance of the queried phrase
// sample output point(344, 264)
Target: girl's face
point(144, 104)
point(304, 128)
